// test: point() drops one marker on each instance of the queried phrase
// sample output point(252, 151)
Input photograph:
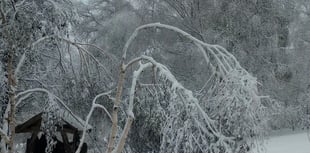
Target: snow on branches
point(226, 113)
point(51, 120)
point(229, 115)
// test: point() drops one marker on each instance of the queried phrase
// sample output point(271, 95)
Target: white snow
point(297, 142)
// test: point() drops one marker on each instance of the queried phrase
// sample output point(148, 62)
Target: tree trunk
point(12, 86)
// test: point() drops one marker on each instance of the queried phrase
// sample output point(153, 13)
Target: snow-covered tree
point(216, 123)
point(24, 25)
point(178, 92)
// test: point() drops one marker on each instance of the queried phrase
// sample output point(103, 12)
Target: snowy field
point(297, 142)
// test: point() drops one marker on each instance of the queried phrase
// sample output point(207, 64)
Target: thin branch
point(13, 4)
point(197, 143)
point(207, 82)
point(71, 63)
point(20, 3)
point(23, 98)
point(2, 12)
point(19, 65)
point(101, 50)
point(130, 63)
point(39, 40)
point(16, 7)
point(4, 136)
point(77, 45)
point(94, 105)
point(60, 61)
point(88, 53)
point(36, 80)
point(51, 57)
point(207, 59)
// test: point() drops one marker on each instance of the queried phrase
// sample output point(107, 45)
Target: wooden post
point(68, 148)
point(30, 142)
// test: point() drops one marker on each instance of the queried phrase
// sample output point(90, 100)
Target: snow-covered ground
point(292, 142)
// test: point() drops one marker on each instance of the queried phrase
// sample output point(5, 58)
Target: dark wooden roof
point(70, 124)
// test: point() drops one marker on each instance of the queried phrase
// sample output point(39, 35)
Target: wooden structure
point(71, 124)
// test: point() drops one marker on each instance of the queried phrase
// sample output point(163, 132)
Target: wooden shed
point(69, 131)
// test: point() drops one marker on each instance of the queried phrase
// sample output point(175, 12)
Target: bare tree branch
point(90, 54)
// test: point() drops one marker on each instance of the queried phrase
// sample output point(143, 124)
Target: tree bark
point(12, 100)
point(116, 107)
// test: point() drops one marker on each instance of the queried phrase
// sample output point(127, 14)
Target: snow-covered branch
point(159, 25)
point(98, 48)
point(94, 105)
point(199, 126)
point(136, 74)
point(135, 78)
point(220, 54)
point(4, 136)
point(23, 98)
